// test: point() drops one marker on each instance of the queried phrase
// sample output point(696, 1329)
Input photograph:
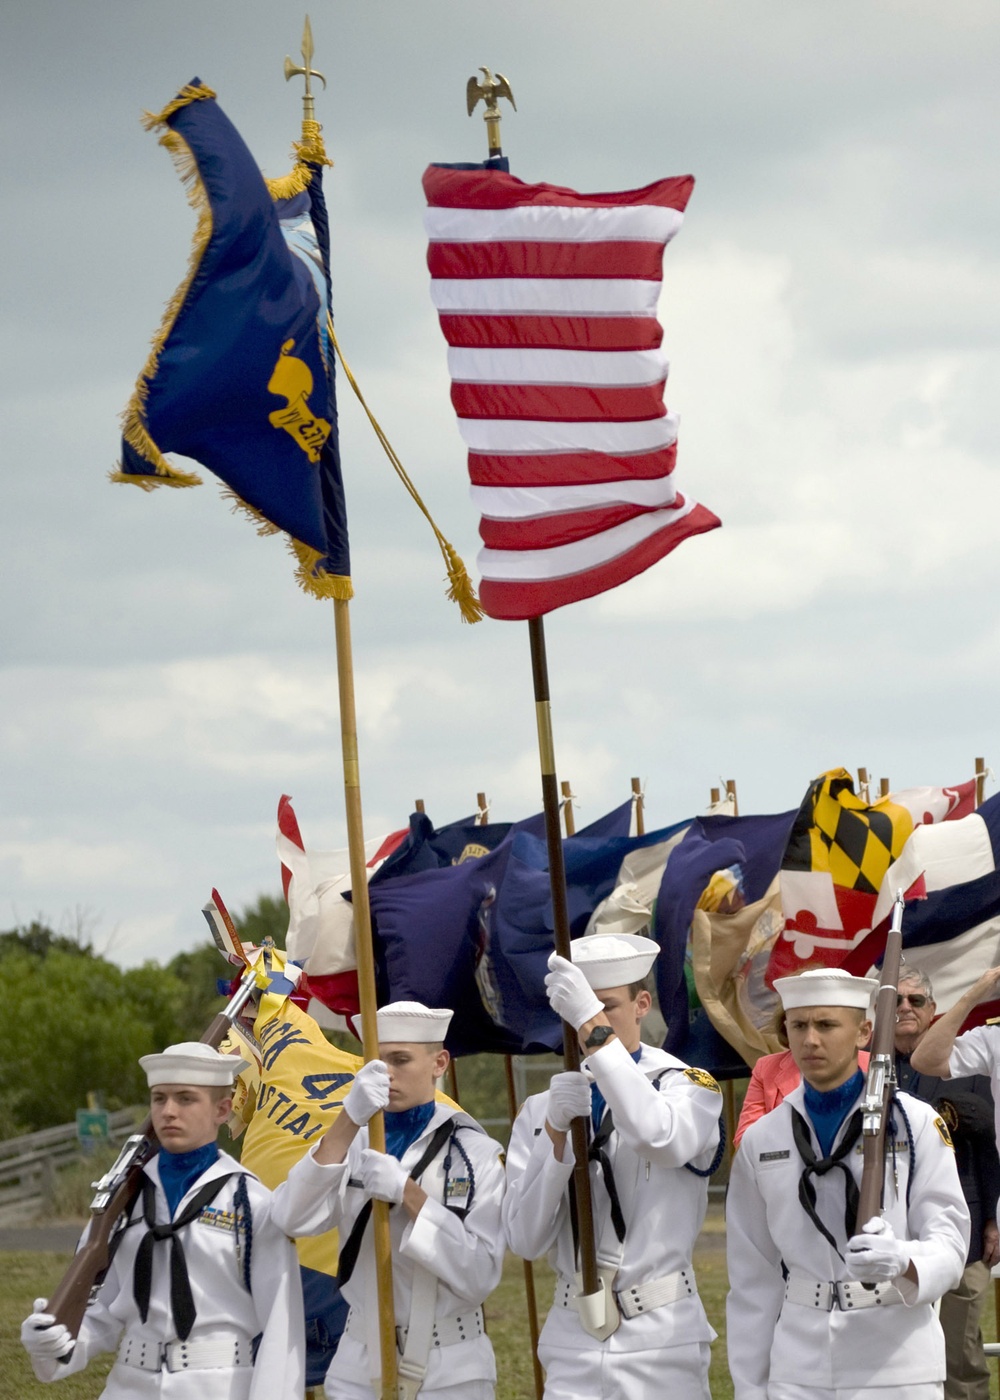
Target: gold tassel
point(461, 590)
point(134, 429)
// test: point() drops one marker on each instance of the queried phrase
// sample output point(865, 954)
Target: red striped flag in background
point(547, 299)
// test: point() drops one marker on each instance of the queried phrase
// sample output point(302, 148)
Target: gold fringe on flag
point(461, 590)
point(134, 429)
point(310, 149)
point(311, 579)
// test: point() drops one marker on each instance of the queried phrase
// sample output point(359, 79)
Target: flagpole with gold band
point(490, 89)
point(356, 851)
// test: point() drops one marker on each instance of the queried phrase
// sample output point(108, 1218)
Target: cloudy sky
point(830, 309)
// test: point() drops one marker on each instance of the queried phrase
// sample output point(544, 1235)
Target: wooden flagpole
point(560, 926)
point(569, 819)
point(528, 1270)
point(640, 807)
point(366, 979)
point(359, 873)
point(980, 781)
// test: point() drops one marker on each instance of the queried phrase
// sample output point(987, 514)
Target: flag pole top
point(490, 89)
point(307, 71)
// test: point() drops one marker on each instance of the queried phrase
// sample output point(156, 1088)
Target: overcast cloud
point(831, 313)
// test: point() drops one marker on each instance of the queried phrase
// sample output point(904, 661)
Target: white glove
point(369, 1093)
point(570, 994)
point(42, 1336)
point(569, 1098)
point(875, 1255)
point(382, 1176)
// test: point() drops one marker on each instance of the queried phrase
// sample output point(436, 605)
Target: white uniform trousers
point(680, 1372)
point(338, 1389)
point(932, 1390)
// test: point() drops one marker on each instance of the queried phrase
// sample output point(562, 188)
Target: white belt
point(642, 1297)
point(448, 1331)
point(213, 1350)
point(847, 1294)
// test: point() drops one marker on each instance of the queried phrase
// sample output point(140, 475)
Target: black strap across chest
point(181, 1300)
point(819, 1166)
point(351, 1247)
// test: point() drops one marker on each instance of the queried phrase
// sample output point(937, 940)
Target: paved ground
point(59, 1238)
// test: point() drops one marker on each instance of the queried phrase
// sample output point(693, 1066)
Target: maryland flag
point(241, 373)
point(837, 856)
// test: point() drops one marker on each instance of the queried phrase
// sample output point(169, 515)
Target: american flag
point(547, 299)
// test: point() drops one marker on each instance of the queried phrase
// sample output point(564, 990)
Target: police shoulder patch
point(702, 1078)
point(943, 1132)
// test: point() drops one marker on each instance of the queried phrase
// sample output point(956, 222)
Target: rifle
point(881, 1074)
point(119, 1187)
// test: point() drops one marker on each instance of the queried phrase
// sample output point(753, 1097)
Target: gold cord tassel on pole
point(460, 589)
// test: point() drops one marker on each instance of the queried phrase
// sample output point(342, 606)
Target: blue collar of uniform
point(827, 1108)
point(403, 1128)
point(179, 1171)
point(598, 1103)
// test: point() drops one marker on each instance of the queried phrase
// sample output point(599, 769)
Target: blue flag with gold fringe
point(241, 373)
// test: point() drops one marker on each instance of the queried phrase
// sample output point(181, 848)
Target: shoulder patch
point(943, 1132)
point(702, 1078)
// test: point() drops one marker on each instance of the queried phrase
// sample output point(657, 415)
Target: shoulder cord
point(244, 1222)
point(895, 1103)
point(460, 1211)
point(720, 1151)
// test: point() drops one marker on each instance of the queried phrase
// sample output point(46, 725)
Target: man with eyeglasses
point(954, 1075)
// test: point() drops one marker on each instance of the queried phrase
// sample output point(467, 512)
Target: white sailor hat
point(614, 959)
point(825, 986)
point(409, 1022)
point(192, 1062)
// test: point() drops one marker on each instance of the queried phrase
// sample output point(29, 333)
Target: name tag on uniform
point(457, 1186)
point(218, 1218)
point(774, 1156)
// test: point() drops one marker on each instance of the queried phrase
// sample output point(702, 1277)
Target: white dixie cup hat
point(192, 1062)
point(825, 986)
point(409, 1022)
point(614, 959)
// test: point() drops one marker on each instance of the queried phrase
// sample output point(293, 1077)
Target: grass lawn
point(26, 1276)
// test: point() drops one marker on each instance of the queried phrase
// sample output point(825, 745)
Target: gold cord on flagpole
point(461, 590)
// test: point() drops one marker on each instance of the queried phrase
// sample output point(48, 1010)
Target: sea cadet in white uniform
point(444, 1177)
point(231, 1328)
point(657, 1138)
point(801, 1323)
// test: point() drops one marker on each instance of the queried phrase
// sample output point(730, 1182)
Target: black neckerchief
point(819, 1166)
point(181, 1300)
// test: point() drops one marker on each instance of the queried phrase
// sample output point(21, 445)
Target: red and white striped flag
point(547, 299)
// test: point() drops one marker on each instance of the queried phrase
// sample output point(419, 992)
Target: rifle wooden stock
point(881, 1075)
point(90, 1263)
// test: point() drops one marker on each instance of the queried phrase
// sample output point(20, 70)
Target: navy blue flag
point(241, 374)
point(476, 936)
point(753, 846)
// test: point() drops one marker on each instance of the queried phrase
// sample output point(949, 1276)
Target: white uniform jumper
point(444, 1266)
point(216, 1360)
point(661, 1346)
point(796, 1326)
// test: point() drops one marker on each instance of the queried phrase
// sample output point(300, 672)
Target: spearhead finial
point(307, 71)
point(490, 89)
